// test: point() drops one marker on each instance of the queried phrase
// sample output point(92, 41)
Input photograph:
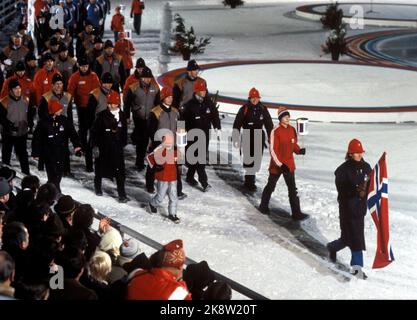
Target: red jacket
point(80, 86)
point(283, 143)
point(136, 7)
point(117, 23)
point(156, 284)
point(125, 48)
point(43, 82)
point(167, 159)
point(25, 83)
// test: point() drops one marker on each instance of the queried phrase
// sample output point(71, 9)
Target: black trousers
point(200, 168)
point(20, 147)
point(251, 167)
point(54, 173)
point(120, 182)
point(85, 120)
point(292, 191)
point(140, 137)
point(137, 20)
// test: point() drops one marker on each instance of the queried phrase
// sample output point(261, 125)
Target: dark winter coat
point(352, 209)
point(251, 117)
point(201, 115)
point(73, 290)
point(110, 136)
point(50, 140)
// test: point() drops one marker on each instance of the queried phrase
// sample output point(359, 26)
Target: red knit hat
point(165, 92)
point(200, 85)
point(113, 98)
point(355, 146)
point(174, 254)
point(253, 93)
point(54, 106)
point(282, 112)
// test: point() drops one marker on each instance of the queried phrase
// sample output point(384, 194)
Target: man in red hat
point(252, 117)
point(50, 141)
point(282, 145)
point(200, 113)
point(109, 135)
point(164, 280)
point(352, 179)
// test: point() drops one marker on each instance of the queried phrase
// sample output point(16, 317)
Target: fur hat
point(7, 173)
point(13, 84)
point(5, 187)
point(192, 65)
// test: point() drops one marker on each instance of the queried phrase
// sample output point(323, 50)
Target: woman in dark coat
point(109, 135)
point(352, 184)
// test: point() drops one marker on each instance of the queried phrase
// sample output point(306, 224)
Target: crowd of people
point(76, 70)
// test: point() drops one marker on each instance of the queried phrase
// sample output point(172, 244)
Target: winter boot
point(173, 218)
point(123, 199)
point(206, 187)
point(263, 210)
point(299, 216)
point(181, 195)
point(152, 209)
point(191, 181)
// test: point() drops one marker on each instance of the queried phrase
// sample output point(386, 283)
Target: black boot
point(249, 184)
point(332, 253)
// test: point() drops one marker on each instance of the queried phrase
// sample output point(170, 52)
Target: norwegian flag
point(378, 207)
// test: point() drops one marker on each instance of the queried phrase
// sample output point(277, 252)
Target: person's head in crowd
point(65, 208)
point(15, 90)
point(61, 3)
point(110, 242)
point(5, 190)
point(73, 262)
point(108, 48)
point(98, 43)
point(7, 272)
point(8, 174)
point(30, 60)
point(140, 64)
point(54, 228)
point(49, 61)
point(171, 257)
point(129, 249)
point(16, 39)
point(20, 69)
point(57, 83)
point(83, 64)
point(62, 33)
point(118, 9)
point(88, 27)
point(141, 261)
point(198, 276)
point(167, 96)
point(113, 101)
point(47, 193)
point(121, 35)
point(100, 266)
point(83, 217)
point(200, 88)
point(63, 51)
point(76, 239)
point(107, 81)
point(54, 44)
point(30, 183)
point(146, 76)
point(192, 69)
point(218, 290)
point(33, 290)
point(15, 237)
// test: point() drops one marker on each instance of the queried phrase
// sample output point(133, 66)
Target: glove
point(284, 168)
point(131, 15)
point(361, 190)
point(302, 151)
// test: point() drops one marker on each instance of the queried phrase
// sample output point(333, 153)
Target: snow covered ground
point(224, 228)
